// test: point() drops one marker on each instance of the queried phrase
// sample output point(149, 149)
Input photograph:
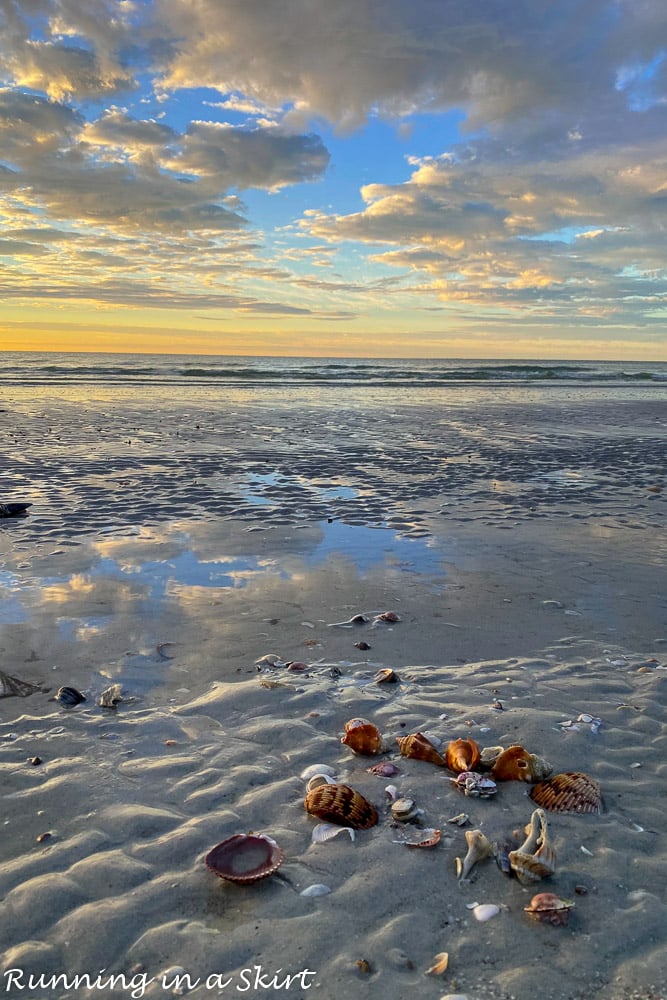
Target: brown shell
point(418, 746)
point(570, 792)
point(462, 755)
point(516, 764)
point(341, 804)
point(244, 858)
point(362, 737)
point(550, 909)
point(536, 858)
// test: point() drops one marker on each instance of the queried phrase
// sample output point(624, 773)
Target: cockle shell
point(479, 848)
point(536, 858)
point(362, 737)
point(516, 764)
point(462, 755)
point(474, 784)
point(570, 792)
point(245, 858)
point(341, 804)
point(550, 909)
point(420, 747)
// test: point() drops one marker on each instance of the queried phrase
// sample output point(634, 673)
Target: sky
point(438, 178)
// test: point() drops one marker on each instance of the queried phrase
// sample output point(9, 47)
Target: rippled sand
point(172, 544)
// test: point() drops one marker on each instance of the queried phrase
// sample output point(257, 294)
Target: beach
point(179, 532)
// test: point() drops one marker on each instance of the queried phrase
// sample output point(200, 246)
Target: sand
point(173, 543)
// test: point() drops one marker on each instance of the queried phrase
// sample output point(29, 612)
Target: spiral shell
point(570, 792)
point(536, 858)
point(479, 848)
point(362, 737)
point(462, 755)
point(341, 804)
point(418, 746)
point(550, 909)
point(516, 764)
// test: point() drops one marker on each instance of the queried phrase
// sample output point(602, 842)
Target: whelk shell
point(462, 755)
point(479, 848)
point(245, 858)
point(362, 737)
point(570, 792)
point(550, 909)
point(420, 747)
point(341, 804)
point(536, 858)
point(516, 764)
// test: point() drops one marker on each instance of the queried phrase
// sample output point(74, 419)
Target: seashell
point(270, 660)
point(404, 810)
point(327, 831)
point(417, 745)
point(350, 622)
point(10, 686)
point(386, 676)
point(313, 769)
point(341, 804)
point(362, 645)
point(440, 963)
point(550, 909)
point(296, 666)
point(426, 838)
point(570, 792)
point(484, 911)
point(501, 851)
point(460, 819)
point(474, 784)
point(462, 755)
point(319, 779)
point(111, 696)
point(362, 737)
point(387, 616)
point(319, 889)
point(536, 858)
point(516, 764)
point(245, 858)
point(392, 792)
point(479, 848)
point(385, 769)
point(488, 757)
point(68, 697)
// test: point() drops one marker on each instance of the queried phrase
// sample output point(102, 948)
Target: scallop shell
point(341, 804)
point(462, 755)
point(570, 792)
point(550, 909)
point(245, 858)
point(516, 764)
point(536, 858)
point(362, 737)
point(418, 746)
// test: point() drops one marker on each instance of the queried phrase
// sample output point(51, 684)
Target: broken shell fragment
point(362, 737)
point(423, 838)
point(387, 616)
point(570, 792)
point(418, 746)
point(404, 810)
point(14, 686)
point(479, 848)
point(476, 785)
point(488, 757)
point(462, 755)
point(550, 909)
point(111, 697)
point(385, 769)
point(440, 963)
point(516, 764)
point(460, 819)
point(245, 858)
point(342, 805)
point(386, 676)
point(270, 660)
point(536, 858)
point(323, 832)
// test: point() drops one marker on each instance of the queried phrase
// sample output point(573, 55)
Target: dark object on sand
point(14, 509)
point(245, 858)
point(15, 686)
point(68, 697)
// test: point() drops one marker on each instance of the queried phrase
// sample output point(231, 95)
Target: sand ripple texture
point(133, 801)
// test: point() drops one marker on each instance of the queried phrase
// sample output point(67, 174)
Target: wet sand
point(170, 545)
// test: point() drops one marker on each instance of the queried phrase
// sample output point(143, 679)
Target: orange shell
point(570, 792)
point(550, 909)
point(418, 746)
point(341, 804)
point(362, 737)
point(516, 764)
point(462, 755)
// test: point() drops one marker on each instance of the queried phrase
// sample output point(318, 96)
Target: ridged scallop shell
point(418, 746)
point(516, 764)
point(536, 858)
point(362, 737)
point(245, 858)
point(341, 804)
point(570, 792)
point(550, 909)
point(462, 755)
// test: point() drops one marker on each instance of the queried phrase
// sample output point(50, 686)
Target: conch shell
point(479, 848)
point(341, 804)
point(571, 792)
point(420, 747)
point(550, 909)
point(362, 737)
point(516, 764)
point(462, 755)
point(536, 858)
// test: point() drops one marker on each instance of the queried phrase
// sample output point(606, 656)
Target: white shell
point(319, 889)
point(314, 769)
point(270, 660)
point(484, 911)
point(317, 780)
point(327, 831)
